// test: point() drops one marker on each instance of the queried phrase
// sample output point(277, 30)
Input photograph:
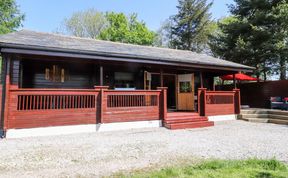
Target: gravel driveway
point(97, 154)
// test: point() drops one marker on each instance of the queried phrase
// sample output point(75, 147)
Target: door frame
point(161, 78)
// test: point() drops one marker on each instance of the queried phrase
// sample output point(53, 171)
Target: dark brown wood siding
point(80, 75)
point(15, 71)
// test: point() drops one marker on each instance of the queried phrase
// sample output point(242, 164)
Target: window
point(185, 87)
point(124, 80)
point(56, 74)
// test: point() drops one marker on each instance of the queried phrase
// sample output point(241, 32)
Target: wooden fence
point(257, 94)
point(123, 106)
point(51, 107)
point(28, 108)
point(213, 103)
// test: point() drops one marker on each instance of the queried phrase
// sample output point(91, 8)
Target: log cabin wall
point(77, 75)
point(15, 71)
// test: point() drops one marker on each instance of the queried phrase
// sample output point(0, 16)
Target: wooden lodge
point(54, 80)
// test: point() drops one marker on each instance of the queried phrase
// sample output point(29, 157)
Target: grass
point(219, 168)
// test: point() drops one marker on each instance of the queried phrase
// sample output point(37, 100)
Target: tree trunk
point(257, 73)
point(283, 69)
point(265, 75)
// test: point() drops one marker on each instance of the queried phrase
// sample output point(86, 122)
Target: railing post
point(202, 101)
point(102, 102)
point(163, 103)
point(237, 101)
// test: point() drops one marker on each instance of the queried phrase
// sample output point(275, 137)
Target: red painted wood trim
point(202, 101)
point(101, 87)
point(163, 100)
point(224, 106)
point(237, 99)
point(103, 101)
point(50, 89)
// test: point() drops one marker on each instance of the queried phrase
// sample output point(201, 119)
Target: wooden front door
point(185, 92)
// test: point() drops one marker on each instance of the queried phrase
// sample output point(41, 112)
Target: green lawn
point(219, 168)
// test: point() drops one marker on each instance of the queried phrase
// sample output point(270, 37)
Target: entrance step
point(282, 117)
point(264, 116)
point(181, 114)
point(258, 120)
point(278, 121)
point(245, 116)
point(182, 120)
point(189, 125)
point(254, 111)
point(186, 120)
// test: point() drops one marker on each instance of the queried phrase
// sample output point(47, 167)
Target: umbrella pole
point(234, 81)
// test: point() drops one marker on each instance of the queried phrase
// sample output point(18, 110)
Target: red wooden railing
point(50, 107)
point(135, 105)
point(131, 100)
point(39, 99)
point(30, 108)
point(218, 102)
point(43, 102)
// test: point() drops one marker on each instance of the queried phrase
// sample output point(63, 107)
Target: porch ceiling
point(30, 42)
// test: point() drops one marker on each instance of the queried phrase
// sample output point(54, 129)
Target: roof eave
point(62, 52)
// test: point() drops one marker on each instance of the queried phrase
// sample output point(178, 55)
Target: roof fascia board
point(122, 58)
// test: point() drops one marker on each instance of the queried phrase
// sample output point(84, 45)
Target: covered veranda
point(47, 85)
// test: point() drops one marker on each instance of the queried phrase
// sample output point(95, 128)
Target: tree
point(107, 26)
point(280, 36)
point(191, 25)
point(10, 16)
point(88, 23)
point(163, 35)
point(252, 35)
point(126, 29)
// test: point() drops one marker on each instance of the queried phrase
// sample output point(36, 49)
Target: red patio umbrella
point(239, 76)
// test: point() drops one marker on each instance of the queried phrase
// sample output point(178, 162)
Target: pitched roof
point(27, 39)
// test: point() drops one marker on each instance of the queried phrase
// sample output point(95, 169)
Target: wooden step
point(258, 120)
point(189, 125)
point(281, 117)
point(278, 121)
point(183, 120)
point(182, 114)
point(254, 111)
point(247, 116)
point(183, 117)
point(278, 112)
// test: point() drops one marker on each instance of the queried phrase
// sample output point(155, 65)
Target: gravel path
point(97, 154)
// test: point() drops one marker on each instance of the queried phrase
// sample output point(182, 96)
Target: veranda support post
point(163, 103)
point(201, 101)
point(237, 100)
point(102, 102)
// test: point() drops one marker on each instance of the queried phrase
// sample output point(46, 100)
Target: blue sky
point(47, 15)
